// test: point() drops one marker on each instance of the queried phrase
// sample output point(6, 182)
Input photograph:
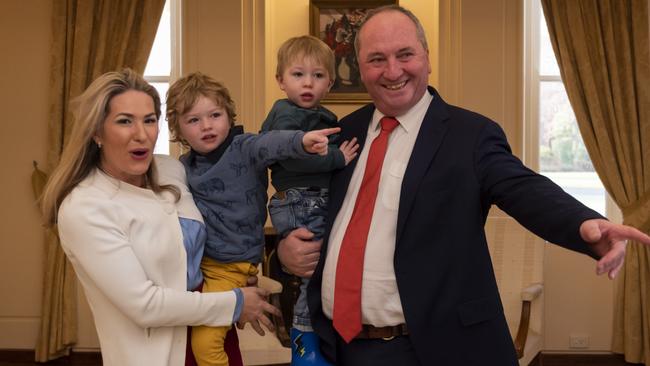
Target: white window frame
point(175, 10)
point(532, 80)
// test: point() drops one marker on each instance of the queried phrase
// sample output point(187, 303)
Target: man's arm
point(532, 199)
point(556, 216)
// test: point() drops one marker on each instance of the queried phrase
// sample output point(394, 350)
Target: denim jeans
point(300, 207)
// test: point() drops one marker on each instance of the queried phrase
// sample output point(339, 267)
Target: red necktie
point(349, 269)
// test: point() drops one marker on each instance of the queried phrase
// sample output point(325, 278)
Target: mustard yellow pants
point(207, 342)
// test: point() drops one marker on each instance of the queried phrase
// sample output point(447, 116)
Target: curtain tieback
point(637, 213)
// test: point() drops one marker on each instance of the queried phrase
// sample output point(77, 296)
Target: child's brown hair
point(184, 94)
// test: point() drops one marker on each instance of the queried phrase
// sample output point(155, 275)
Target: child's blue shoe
point(305, 350)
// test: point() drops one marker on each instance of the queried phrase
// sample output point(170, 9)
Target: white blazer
point(126, 246)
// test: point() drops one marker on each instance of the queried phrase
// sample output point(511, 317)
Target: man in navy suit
point(428, 293)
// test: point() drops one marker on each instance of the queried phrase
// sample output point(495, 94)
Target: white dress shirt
point(380, 302)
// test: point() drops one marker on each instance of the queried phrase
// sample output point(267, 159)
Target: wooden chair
point(271, 348)
point(518, 260)
point(286, 299)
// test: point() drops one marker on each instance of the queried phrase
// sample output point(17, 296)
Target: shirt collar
point(409, 119)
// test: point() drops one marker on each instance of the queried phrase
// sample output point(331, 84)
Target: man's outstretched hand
point(609, 241)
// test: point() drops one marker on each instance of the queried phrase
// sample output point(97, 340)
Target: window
point(560, 151)
point(163, 66)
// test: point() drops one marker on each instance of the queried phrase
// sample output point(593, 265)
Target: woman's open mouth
point(139, 154)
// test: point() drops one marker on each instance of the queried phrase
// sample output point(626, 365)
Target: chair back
point(518, 261)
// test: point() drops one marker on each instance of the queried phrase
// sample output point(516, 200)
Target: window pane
point(162, 145)
point(583, 186)
point(547, 62)
point(159, 63)
point(562, 153)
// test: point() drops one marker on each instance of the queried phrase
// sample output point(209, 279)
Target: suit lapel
point(354, 126)
point(430, 137)
point(431, 134)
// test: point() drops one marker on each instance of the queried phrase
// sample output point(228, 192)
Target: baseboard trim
point(570, 359)
point(27, 356)
point(542, 359)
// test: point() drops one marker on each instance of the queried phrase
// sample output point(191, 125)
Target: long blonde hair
point(81, 154)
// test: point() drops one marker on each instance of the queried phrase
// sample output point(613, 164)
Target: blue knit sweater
point(229, 187)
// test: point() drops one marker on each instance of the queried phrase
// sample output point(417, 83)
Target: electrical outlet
point(580, 341)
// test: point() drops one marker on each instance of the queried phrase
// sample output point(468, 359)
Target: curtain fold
point(603, 51)
point(89, 38)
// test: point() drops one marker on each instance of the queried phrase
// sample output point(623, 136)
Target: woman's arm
point(93, 233)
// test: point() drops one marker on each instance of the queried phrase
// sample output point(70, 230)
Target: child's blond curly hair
point(184, 94)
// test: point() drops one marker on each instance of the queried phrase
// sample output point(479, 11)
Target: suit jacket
point(461, 164)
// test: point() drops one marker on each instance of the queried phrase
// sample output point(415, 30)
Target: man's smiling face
point(393, 63)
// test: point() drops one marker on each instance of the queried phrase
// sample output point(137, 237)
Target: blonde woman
point(118, 221)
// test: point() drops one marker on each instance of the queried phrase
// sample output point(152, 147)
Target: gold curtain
point(603, 52)
point(89, 38)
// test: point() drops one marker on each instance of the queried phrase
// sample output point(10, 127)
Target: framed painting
point(336, 23)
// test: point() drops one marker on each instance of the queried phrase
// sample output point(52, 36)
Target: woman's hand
point(255, 309)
